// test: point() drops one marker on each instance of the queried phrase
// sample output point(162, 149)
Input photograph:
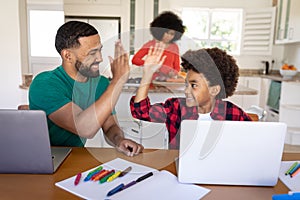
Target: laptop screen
point(230, 152)
point(24, 142)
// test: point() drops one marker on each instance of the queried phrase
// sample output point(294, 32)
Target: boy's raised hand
point(153, 62)
point(154, 59)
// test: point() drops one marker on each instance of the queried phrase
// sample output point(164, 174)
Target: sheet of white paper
point(292, 183)
point(162, 185)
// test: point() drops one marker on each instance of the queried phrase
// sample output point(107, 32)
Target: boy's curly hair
point(164, 22)
point(216, 65)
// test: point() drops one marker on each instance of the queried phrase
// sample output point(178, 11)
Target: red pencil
point(77, 179)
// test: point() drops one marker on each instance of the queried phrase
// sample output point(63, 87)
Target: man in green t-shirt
point(79, 101)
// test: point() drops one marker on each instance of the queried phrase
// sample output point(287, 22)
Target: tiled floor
point(291, 148)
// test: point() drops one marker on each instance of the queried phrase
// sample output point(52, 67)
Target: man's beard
point(86, 70)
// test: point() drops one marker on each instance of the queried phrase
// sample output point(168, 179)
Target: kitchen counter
point(273, 75)
point(169, 87)
point(243, 90)
point(278, 77)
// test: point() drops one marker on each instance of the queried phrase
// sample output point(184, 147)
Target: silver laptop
point(230, 152)
point(25, 145)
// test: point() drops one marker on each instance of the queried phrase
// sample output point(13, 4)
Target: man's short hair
point(68, 34)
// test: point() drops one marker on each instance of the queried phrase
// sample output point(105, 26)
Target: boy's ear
point(215, 90)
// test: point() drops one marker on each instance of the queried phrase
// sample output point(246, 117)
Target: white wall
point(10, 56)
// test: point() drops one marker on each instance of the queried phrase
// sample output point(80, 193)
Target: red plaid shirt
point(174, 110)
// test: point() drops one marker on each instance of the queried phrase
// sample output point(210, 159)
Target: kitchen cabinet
point(288, 17)
point(246, 101)
point(131, 131)
point(150, 135)
point(155, 135)
point(85, 2)
point(289, 110)
point(264, 91)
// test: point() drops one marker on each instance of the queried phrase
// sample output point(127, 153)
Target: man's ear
point(66, 55)
point(215, 90)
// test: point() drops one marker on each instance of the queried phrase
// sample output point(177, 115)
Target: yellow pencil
point(115, 175)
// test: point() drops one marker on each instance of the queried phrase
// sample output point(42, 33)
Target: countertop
point(167, 87)
point(170, 87)
point(273, 75)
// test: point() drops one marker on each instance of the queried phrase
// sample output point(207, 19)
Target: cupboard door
point(249, 100)
point(293, 136)
point(246, 101)
point(282, 18)
point(293, 32)
point(290, 114)
point(290, 93)
point(131, 131)
point(288, 17)
point(289, 111)
point(154, 135)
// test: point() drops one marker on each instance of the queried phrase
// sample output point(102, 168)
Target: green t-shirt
point(51, 90)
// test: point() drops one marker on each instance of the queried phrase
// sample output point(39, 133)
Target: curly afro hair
point(164, 22)
point(216, 65)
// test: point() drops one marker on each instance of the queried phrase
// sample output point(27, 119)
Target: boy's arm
point(157, 112)
point(153, 62)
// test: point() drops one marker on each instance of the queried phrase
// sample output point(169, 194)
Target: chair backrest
point(23, 107)
point(253, 116)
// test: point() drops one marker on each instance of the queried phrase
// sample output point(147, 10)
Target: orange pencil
point(97, 173)
point(101, 175)
point(295, 172)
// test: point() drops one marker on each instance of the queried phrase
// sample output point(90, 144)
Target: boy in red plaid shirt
point(212, 76)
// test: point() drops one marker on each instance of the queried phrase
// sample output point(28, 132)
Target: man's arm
point(86, 123)
point(115, 137)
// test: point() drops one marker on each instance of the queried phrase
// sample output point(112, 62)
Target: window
point(43, 25)
point(43, 22)
point(213, 28)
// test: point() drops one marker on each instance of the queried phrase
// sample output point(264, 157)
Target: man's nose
point(99, 57)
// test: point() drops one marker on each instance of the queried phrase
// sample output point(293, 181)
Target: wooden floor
point(292, 148)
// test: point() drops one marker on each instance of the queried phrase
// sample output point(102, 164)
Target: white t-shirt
point(205, 117)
